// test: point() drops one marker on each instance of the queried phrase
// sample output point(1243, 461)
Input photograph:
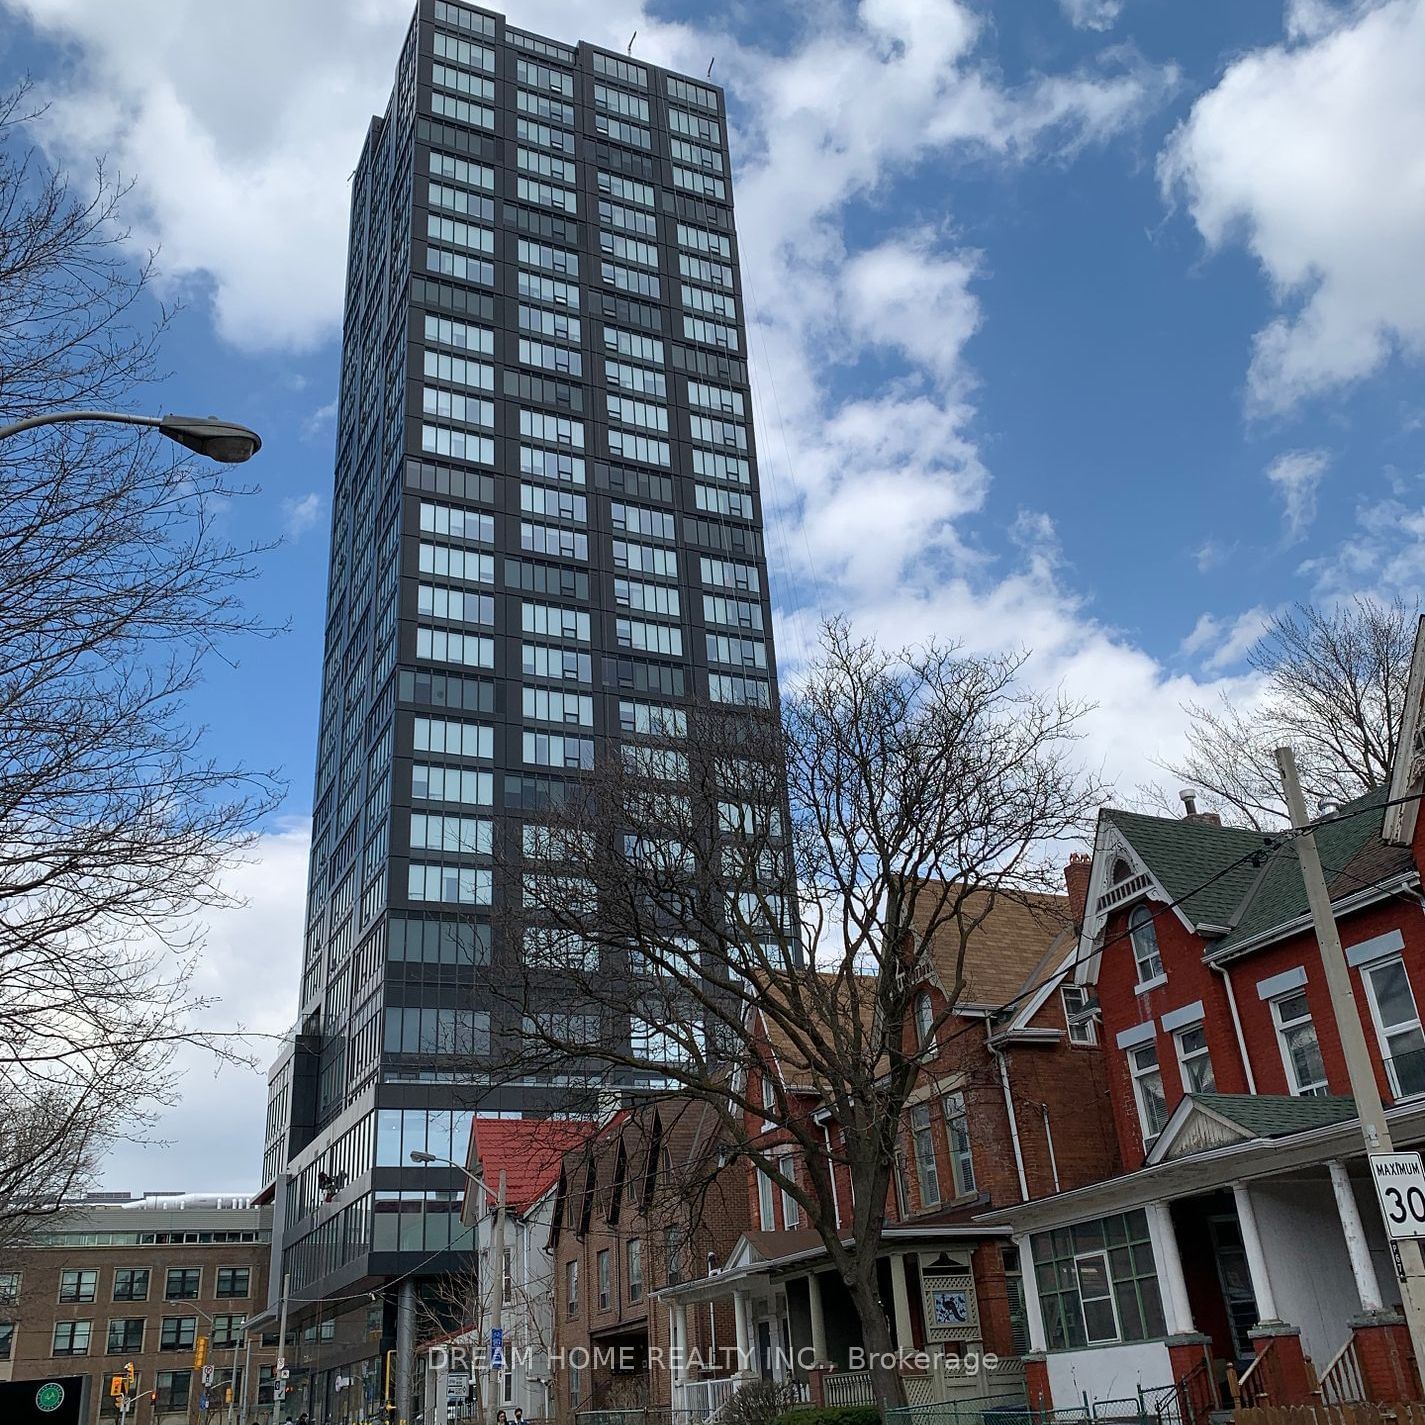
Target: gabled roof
point(1244, 882)
point(1019, 945)
point(1203, 1121)
point(1010, 951)
point(1353, 856)
point(528, 1151)
point(1183, 855)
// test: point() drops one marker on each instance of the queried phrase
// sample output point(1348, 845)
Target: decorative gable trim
point(1194, 1128)
point(1106, 895)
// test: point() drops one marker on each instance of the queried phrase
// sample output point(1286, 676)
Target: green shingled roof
point(1271, 1115)
point(1254, 899)
point(1183, 855)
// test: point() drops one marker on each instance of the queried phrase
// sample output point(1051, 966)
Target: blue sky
point(1089, 325)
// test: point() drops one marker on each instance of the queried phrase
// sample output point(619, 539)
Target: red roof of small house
point(528, 1151)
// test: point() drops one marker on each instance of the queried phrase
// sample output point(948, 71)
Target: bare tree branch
point(732, 884)
point(1334, 689)
point(115, 588)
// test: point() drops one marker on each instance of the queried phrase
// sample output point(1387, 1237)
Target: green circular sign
point(49, 1396)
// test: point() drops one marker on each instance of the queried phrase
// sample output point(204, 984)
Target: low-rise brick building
point(119, 1280)
point(641, 1207)
point(1010, 1104)
point(1241, 1230)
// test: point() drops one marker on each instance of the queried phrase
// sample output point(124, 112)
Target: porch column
point(1029, 1289)
point(1170, 1263)
point(818, 1320)
point(1256, 1258)
point(1362, 1268)
point(900, 1298)
point(678, 1334)
point(742, 1316)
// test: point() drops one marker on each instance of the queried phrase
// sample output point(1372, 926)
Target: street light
point(497, 1256)
point(223, 441)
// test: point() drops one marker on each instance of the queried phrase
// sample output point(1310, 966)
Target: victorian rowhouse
point(1012, 1105)
point(646, 1203)
point(1243, 1230)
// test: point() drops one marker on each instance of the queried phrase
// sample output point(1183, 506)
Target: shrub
point(832, 1415)
point(759, 1402)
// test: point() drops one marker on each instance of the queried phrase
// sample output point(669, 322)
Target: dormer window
point(1145, 944)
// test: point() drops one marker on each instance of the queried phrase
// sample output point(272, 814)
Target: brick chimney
point(1191, 813)
point(1076, 882)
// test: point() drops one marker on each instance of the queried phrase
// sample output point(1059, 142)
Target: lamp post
point(223, 441)
point(497, 1264)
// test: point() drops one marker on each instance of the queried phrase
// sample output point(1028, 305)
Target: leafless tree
point(115, 587)
point(729, 875)
point(1333, 687)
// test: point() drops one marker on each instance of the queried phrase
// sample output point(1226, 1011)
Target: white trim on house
point(1110, 845)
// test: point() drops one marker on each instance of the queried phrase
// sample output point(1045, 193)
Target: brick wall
point(38, 1310)
point(1189, 980)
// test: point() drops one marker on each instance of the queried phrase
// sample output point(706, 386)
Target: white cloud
point(1295, 476)
point(1305, 153)
point(1092, 14)
point(300, 513)
point(1221, 643)
point(320, 421)
point(861, 347)
point(212, 1138)
point(1384, 552)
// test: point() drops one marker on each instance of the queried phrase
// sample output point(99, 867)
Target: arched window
point(1121, 870)
point(1145, 943)
point(924, 1020)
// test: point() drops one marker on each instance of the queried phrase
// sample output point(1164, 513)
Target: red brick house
point(1243, 1225)
point(643, 1205)
point(1012, 1105)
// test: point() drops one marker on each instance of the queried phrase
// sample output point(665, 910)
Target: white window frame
point(1294, 1085)
point(955, 1109)
point(1079, 1023)
point(766, 1202)
point(924, 1021)
point(791, 1208)
point(1382, 1029)
point(1184, 1056)
point(1139, 1074)
point(1140, 916)
point(927, 1168)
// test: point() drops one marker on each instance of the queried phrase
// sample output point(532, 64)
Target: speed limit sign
point(1400, 1185)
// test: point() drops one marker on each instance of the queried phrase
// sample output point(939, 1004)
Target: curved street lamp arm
point(56, 417)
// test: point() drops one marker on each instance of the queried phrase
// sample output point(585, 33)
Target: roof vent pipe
point(1189, 799)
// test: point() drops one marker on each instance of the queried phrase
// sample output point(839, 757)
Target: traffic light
point(130, 1377)
point(118, 1387)
point(200, 1353)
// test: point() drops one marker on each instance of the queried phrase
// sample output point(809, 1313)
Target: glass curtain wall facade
point(546, 529)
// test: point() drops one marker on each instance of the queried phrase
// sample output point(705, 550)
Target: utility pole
point(497, 1301)
point(1353, 1036)
point(246, 1374)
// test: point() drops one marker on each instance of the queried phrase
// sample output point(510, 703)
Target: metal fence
point(1158, 1406)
